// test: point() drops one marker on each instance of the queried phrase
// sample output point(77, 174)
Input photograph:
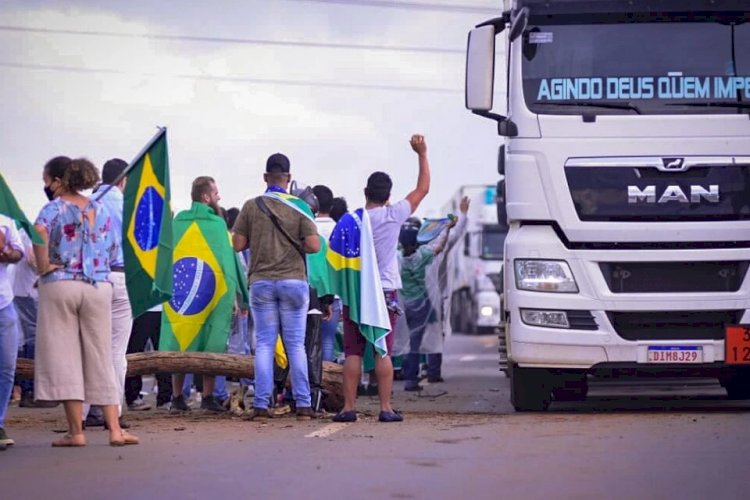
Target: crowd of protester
point(66, 304)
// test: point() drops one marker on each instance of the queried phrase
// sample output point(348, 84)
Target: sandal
point(125, 439)
point(70, 441)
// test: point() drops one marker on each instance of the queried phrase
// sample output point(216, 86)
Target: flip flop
point(67, 442)
point(125, 440)
point(345, 416)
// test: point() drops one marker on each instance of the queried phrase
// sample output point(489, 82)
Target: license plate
point(675, 354)
point(737, 343)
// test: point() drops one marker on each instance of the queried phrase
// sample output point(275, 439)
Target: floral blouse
point(83, 250)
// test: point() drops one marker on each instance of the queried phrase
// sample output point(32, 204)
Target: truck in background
point(475, 264)
point(626, 159)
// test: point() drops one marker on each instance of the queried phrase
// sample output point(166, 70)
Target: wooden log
point(230, 365)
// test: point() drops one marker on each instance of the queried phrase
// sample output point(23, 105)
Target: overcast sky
point(94, 79)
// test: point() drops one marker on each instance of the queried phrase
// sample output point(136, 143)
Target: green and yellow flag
point(207, 277)
point(9, 207)
point(147, 228)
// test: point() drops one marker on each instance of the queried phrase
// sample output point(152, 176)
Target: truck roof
point(546, 7)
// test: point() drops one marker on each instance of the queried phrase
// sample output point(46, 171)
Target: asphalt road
point(461, 439)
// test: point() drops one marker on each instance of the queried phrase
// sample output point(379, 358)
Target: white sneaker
point(139, 405)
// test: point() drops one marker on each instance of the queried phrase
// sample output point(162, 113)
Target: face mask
point(49, 192)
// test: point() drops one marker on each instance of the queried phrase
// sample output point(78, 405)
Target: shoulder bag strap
point(264, 208)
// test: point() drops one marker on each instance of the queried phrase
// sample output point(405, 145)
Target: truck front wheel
point(737, 385)
point(530, 388)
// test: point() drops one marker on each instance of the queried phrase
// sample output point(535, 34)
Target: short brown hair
point(75, 175)
point(201, 186)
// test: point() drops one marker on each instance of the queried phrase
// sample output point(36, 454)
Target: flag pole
point(156, 137)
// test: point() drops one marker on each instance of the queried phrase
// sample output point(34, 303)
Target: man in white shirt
point(386, 220)
point(11, 251)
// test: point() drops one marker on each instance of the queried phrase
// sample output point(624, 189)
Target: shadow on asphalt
point(641, 404)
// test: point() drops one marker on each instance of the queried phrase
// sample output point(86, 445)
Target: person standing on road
point(207, 282)
point(436, 278)
point(26, 301)
point(74, 329)
point(325, 227)
point(278, 235)
point(385, 220)
point(11, 251)
point(418, 307)
point(122, 319)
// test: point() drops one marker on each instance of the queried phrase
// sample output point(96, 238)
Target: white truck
point(474, 265)
point(626, 160)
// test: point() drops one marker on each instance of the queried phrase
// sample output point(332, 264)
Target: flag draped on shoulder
point(9, 207)
point(318, 272)
point(147, 227)
point(207, 278)
point(356, 279)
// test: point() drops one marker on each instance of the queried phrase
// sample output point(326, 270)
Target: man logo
point(673, 193)
point(673, 164)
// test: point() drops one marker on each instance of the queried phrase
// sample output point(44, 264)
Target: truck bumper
point(609, 338)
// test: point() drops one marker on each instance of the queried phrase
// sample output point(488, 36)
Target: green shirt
point(413, 269)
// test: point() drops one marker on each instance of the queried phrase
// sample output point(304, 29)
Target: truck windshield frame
point(493, 241)
point(630, 63)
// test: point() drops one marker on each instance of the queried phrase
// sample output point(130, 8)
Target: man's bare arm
point(239, 242)
point(311, 244)
point(419, 145)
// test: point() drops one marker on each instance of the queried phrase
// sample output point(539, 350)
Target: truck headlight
point(487, 311)
point(545, 276)
point(550, 319)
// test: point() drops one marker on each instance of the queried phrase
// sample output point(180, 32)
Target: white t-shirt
point(325, 226)
point(12, 241)
point(386, 225)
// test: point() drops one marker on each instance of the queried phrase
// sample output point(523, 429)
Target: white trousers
point(122, 323)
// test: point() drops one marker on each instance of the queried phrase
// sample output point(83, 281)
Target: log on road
point(230, 365)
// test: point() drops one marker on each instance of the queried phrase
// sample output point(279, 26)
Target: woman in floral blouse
point(73, 347)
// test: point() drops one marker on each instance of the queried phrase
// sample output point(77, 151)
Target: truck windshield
point(637, 64)
point(492, 245)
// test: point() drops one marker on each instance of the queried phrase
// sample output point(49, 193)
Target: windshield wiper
point(606, 105)
point(740, 105)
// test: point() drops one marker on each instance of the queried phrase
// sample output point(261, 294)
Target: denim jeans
point(26, 308)
point(8, 354)
point(238, 343)
point(328, 330)
point(280, 306)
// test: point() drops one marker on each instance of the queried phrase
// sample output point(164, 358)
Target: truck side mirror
point(502, 210)
point(480, 68)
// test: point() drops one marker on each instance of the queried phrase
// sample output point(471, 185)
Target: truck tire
point(530, 388)
point(737, 385)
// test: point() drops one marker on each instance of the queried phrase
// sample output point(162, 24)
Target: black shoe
point(210, 403)
point(390, 416)
point(28, 401)
point(94, 421)
point(413, 388)
point(435, 380)
point(345, 416)
point(179, 405)
point(4, 439)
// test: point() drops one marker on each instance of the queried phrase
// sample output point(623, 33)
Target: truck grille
point(675, 277)
point(673, 325)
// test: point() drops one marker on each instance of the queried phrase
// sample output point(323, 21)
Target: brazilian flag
point(207, 277)
point(147, 227)
point(356, 279)
point(9, 206)
point(318, 273)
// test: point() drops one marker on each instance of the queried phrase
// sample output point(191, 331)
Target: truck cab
point(626, 164)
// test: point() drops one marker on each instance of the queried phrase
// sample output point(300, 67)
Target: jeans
point(434, 365)
point(280, 306)
point(328, 330)
point(147, 327)
point(238, 343)
point(8, 354)
point(26, 308)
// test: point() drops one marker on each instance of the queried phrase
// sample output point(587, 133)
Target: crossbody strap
point(264, 208)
